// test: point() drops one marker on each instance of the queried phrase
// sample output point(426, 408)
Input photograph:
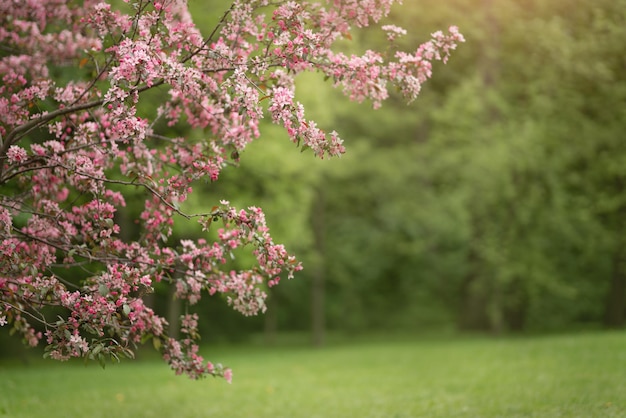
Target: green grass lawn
point(554, 376)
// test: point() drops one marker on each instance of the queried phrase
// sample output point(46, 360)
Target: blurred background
point(495, 203)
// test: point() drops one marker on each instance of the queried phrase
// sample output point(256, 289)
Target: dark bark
point(173, 313)
point(517, 306)
point(473, 315)
point(318, 320)
point(615, 312)
point(270, 323)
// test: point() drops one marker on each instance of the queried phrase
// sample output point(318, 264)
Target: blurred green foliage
point(494, 202)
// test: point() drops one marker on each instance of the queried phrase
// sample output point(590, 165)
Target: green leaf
point(103, 290)
point(102, 360)
point(96, 349)
point(126, 309)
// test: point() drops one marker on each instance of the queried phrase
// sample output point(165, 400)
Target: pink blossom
point(393, 31)
point(16, 154)
point(228, 375)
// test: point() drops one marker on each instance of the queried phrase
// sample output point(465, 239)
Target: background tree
point(494, 203)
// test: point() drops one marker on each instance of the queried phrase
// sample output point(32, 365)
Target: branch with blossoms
point(75, 148)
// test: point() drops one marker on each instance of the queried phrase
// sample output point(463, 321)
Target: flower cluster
point(73, 152)
point(306, 133)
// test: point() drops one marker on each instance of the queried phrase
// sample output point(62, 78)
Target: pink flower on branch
point(73, 152)
point(393, 31)
point(16, 155)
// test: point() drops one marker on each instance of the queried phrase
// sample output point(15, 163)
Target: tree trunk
point(615, 312)
point(270, 328)
point(479, 305)
point(317, 286)
point(173, 312)
point(473, 315)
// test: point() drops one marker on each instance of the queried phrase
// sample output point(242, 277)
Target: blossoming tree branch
point(74, 145)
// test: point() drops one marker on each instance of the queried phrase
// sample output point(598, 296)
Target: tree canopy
point(104, 106)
